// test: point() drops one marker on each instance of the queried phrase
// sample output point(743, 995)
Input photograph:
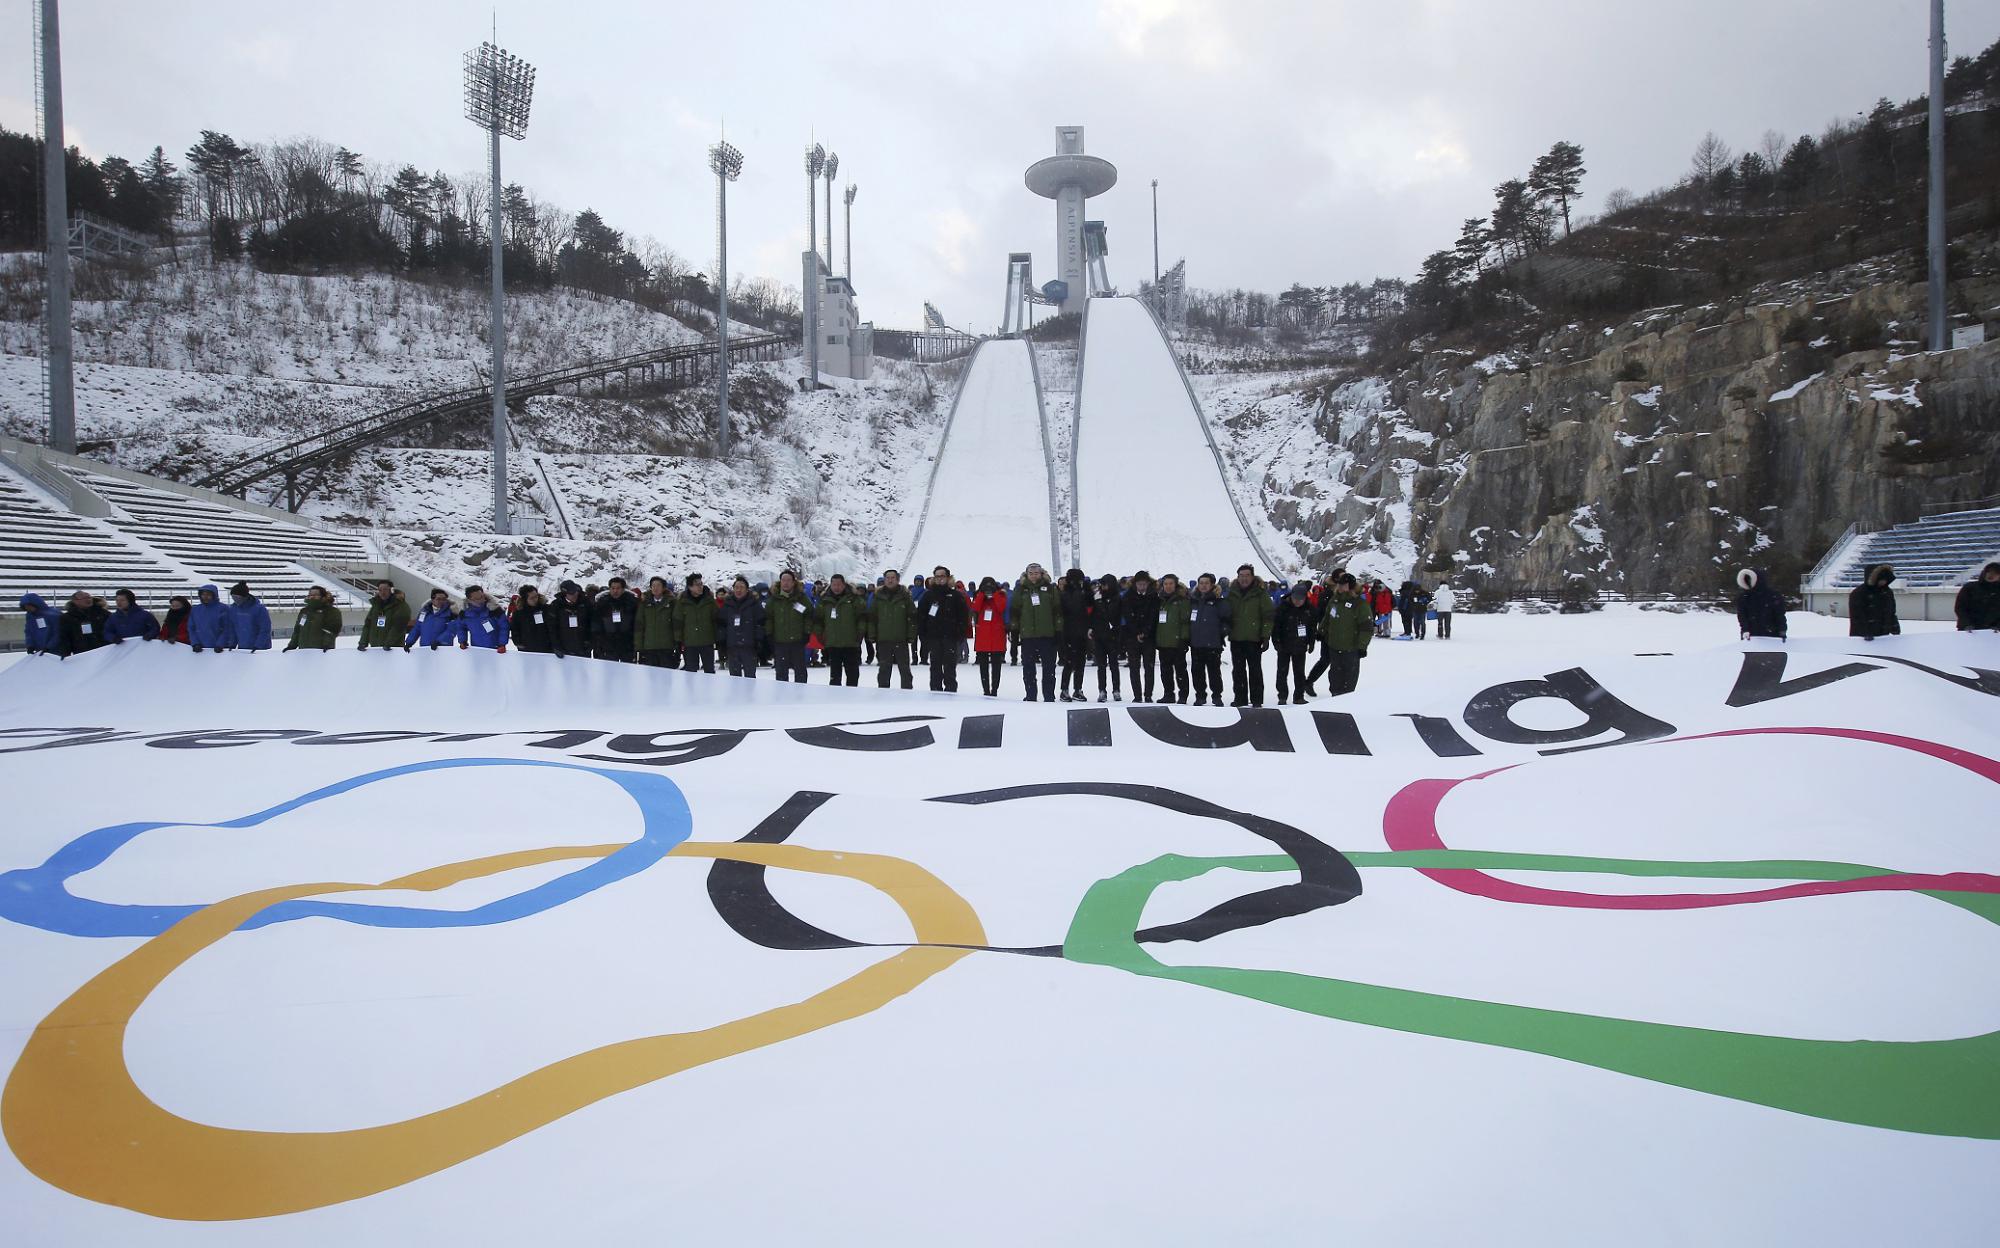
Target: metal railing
point(295, 456)
point(1833, 552)
point(1975, 504)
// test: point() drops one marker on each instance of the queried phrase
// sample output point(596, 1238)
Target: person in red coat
point(989, 634)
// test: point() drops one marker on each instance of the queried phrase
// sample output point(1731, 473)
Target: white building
point(846, 342)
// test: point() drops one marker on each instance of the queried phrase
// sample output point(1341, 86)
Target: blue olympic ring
point(39, 896)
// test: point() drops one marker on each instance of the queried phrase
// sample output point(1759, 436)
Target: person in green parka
point(653, 631)
point(694, 626)
point(1250, 618)
point(387, 621)
point(1034, 612)
point(1171, 632)
point(789, 618)
point(841, 621)
point(1347, 622)
point(318, 623)
point(891, 622)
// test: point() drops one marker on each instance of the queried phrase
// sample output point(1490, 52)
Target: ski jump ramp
point(989, 509)
point(1147, 481)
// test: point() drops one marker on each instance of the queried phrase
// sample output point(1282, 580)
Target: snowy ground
point(1629, 987)
point(986, 514)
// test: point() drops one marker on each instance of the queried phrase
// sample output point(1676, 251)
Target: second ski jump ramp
point(988, 510)
point(1147, 478)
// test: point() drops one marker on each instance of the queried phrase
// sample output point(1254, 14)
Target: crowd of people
point(1161, 639)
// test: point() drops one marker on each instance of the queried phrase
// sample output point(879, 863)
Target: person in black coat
point(1294, 626)
point(82, 625)
point(1871, 608)
point(944, 620)
point(1073, 644)
point(569, 622)
point(1142, 646)
point(1760, 612)
point(1978, 602)
point(1107, 633)
point(613, 619)
point(739, 620)
point(528, 624)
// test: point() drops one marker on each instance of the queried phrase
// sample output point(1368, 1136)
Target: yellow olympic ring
point(75, 1118)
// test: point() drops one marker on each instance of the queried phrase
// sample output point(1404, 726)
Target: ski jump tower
point(1069, 177)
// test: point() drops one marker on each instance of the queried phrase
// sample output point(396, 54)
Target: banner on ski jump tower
point(506, 949)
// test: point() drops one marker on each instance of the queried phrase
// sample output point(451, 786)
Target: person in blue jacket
point(129, 621)
point(481, 624)
point(210, 625)
point(43, 628)
point(436, 625)
point(252, 621)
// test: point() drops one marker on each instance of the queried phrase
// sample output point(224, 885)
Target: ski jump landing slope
point(988, 510)
point(1148, 485)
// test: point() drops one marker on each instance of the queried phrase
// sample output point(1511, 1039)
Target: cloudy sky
point(1317, 141)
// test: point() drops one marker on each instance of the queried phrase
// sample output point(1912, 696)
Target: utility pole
point(1156, 231)
point(1940, 326)
point(847, 270)
point(809, 288)
point(55, 210)
point(832, 170)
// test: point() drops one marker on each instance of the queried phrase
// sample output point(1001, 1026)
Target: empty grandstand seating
point(1934, 551)
point(46, 550)
point(226, 544)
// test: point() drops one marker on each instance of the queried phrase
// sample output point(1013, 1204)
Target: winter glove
point(406, 648)
point(499, 649)
point(197, 649)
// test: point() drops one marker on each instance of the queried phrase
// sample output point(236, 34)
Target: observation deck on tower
point(1069, 177)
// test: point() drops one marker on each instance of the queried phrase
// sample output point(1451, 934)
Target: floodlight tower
point(60, 381)
point(847, 199)
point(1940, 335)
point(499, 87)
point(832, 169)
point(809, 289)
point(1069, 177)
point(728, 165)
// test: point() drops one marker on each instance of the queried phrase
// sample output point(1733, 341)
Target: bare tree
point(1617, 201)
point(1711, 156)
point(1772, 147)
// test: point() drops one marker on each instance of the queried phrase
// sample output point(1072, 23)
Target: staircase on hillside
point(1934, 551)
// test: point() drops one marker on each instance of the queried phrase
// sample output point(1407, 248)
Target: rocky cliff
point(1654, 455)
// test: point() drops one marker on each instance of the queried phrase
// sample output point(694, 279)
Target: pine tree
point(1558, 178)
point(1473, 240)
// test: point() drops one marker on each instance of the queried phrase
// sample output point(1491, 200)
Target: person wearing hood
point(1036, 611)
point(436, 625)
point(840, 626)
point(653, 633)
point(1760, 611)
point(129, 621)
point(614, 622)
point(742, 628)
point(82, 625)
point(1978, 603)
point(1327, 590)
point(1107, 634)
point(481, 624)
point(174, 628)
point(943, 620)
point(387, 621)
point(1208, 627)
point(788, 618)
point(889, 621)
point(1444, 602)
point(318, 623)
point(1346, 625)
point(1073, 642)
point(1142, 645)
point(1250, 614)
point(569, 622)
point(211, 625)
point(249, 618)
point(42, 626)
point(1171, 635)
point(528, 624)
point(1871, 608)
point(989, 634)
point(695, 625)
point(1294, 630)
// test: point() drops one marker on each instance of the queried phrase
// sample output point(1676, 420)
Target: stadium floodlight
point(727, 163)
point(832, 170)
point(810, 290)
point(847, 270)
point(499, 88)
